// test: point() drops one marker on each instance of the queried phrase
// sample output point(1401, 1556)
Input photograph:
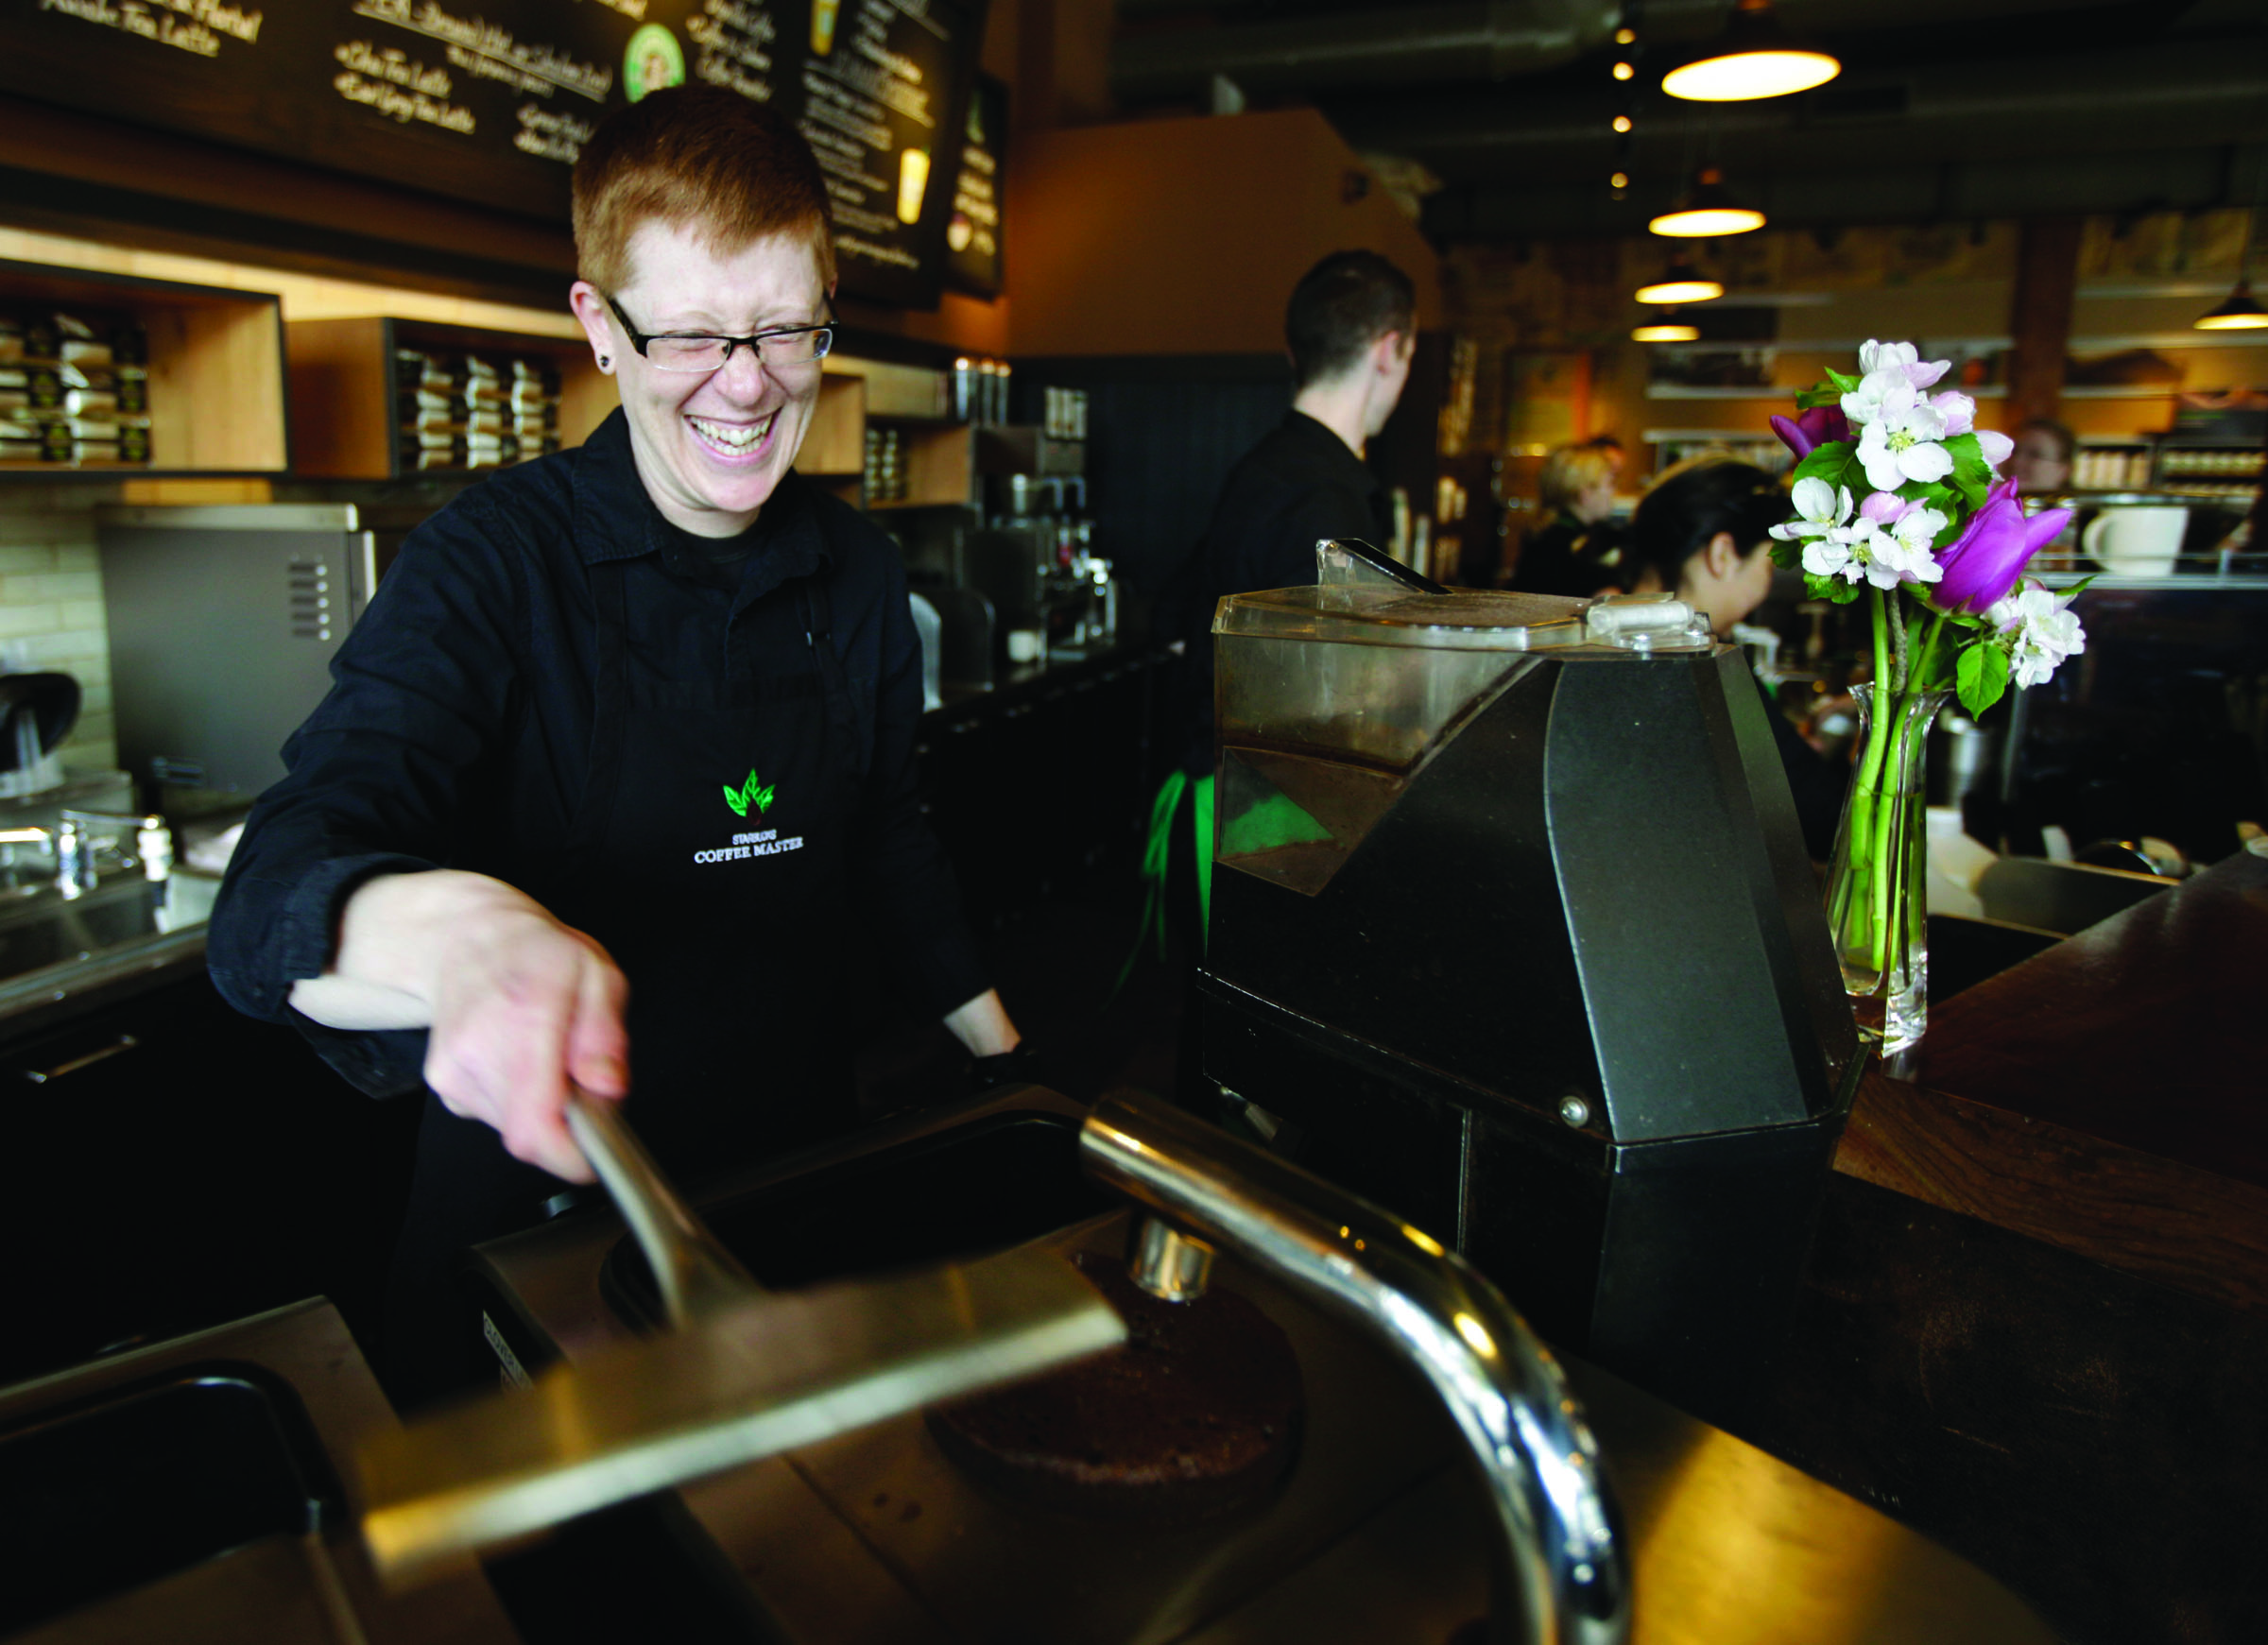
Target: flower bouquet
point(1898, 501)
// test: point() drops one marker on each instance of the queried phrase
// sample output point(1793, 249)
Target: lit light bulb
point(1625, 37)
point(1619, 180)
point(1709, 209)
point(1666, 332)
point(1746, 76)
point(1623, 71)
point(1621, 122)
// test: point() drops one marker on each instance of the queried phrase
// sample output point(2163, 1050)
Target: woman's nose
point(742, 374)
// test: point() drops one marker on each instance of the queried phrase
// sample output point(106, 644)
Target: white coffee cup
point(2139, 541)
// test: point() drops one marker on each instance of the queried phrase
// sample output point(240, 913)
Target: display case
point(114, 374)
point(359, 409)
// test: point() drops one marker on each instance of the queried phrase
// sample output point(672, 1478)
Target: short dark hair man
point(1350, 327)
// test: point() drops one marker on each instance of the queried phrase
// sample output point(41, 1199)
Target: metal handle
point(694, 1270)
point(40, 1077)
point(1559, 1571)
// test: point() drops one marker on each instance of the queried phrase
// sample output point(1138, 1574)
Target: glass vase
point(1877, 905)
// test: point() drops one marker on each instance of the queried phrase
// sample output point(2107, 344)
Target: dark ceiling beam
point(2191, 178)
point(1402, 45)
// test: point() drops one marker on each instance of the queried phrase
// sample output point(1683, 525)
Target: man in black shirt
point(1351, 328)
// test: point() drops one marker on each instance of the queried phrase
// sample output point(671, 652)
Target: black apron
point(709, 856)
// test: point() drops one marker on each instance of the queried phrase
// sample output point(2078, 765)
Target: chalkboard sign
point(491, 100)
point(974, 233)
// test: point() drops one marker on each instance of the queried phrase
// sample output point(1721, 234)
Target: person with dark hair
point(1702, 533)
point(2041, 464)
point(1351, 330)
point(621, 752)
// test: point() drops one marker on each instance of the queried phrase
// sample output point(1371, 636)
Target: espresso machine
point(1512, 931)
point(1033, 558)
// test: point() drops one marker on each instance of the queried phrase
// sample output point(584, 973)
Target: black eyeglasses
point(693, 352)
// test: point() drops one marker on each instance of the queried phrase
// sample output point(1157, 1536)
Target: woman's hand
point(520, 1007)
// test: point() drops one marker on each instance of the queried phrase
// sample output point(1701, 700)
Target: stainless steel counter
point(316, 1587)
point(1378, 1533)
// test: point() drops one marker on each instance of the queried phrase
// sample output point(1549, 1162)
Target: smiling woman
point(510, 858)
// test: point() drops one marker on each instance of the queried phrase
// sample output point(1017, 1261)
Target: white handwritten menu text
point(491, 100)
point(975, 235)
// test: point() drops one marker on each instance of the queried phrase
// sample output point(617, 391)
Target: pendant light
point(1680, 283)
point(2241, 313)
point(1666, 328)
point(1708, 210)
point(1755, 58)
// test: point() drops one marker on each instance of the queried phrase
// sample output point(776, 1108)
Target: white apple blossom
point(2039, 632)
point(1879, 394)
point(1903, 359)
point(1903, 444)
point(1958, 410)
point(1818, 507)
point(1997, 447)
point(1917, 529)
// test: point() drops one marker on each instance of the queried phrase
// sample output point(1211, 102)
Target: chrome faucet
point(1559, 1574)
point(74, 844)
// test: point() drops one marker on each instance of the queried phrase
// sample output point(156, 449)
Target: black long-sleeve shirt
point(457, 729)
point(1299, 483)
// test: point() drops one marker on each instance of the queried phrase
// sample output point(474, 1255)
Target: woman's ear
point(1722, 557)
point(598, 325)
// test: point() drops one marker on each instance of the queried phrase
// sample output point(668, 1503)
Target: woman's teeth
point(732, 436)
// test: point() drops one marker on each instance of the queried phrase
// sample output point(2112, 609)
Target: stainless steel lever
point(1561, 1575)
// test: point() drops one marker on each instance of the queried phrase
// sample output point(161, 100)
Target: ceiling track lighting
point(1680, 283)
point(1756, 58)
point(1708, 210)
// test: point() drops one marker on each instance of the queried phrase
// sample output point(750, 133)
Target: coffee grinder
point(1512, 932)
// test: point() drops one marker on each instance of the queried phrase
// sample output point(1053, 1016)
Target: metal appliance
point(1033, 558)
point(1512, 931)
point(223, 622)
point(1402, 1518)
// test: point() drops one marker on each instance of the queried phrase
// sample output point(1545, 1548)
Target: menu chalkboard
point(974, 233)
point(491, 100)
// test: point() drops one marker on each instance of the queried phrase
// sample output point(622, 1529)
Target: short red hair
point(702, 158)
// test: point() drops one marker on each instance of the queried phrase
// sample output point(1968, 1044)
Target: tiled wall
point(51, 617)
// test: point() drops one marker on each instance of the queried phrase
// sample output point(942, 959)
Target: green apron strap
point(1202, 812)
point(1157, 853)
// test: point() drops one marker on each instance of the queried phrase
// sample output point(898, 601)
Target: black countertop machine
point(1512, 932)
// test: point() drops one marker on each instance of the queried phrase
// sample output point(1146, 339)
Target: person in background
point(621, 755)
point(1702, 533)
point(2041, 465)
point(1351, 328)
point(1576, 549)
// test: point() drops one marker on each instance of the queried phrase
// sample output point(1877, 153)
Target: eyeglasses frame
point(754, 342)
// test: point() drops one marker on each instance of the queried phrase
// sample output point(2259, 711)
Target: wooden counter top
point(2108, 1096)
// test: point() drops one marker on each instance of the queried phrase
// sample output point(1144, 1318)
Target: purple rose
point(1821, 425)
point(1987, 558)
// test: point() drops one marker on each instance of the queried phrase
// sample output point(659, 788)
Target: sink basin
point(39, 928)
point(952, 1195)
point(148, 1484)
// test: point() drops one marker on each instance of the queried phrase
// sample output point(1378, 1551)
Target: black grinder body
point(1571, 1003)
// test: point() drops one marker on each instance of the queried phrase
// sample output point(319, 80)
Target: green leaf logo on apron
point(748, 794)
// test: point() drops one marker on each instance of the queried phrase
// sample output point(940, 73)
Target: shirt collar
point(615, 518)
point(1324, 442)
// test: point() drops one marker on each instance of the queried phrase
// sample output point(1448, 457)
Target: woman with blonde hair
point(1577, 549)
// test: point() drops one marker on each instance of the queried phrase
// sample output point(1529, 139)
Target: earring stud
point(606, 362)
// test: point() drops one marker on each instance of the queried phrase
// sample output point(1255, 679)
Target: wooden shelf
point(216, 393)
point(345, 412)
